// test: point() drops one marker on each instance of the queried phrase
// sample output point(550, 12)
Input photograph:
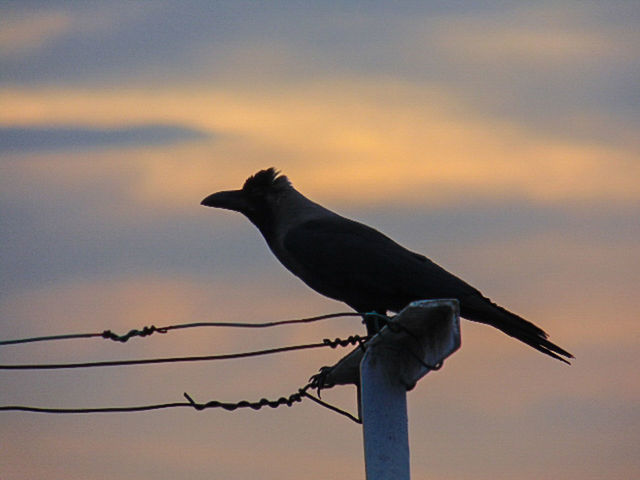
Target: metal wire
point(149, 330)
point(289, 401)
point(338, 342)
point(140, 408)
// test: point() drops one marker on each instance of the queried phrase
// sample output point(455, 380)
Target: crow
point(356, 264)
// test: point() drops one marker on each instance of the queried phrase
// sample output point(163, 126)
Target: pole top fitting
point(414, 342)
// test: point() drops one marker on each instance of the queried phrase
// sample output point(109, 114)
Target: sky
point(498, 138)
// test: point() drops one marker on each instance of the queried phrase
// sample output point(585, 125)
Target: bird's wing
point(362, 267)
point(352, 262)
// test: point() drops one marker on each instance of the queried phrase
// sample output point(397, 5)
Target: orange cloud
point(20, 35)
point(353, 142)
point(543, 46)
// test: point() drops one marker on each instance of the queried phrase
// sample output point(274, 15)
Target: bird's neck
point(290, 210)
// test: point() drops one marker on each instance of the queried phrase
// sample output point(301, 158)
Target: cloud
point(331, 136)
point(492, 387)
point(551, 65)
point(499, 139)
point(28, 32)
point(541, 36)
point(26, 139)
point(23, 34)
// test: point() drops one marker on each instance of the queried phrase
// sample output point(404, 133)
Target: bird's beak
point(230, 200)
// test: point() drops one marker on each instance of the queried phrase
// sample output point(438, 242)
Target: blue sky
point(498, 139)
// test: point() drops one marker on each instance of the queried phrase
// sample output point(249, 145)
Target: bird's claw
point(319, 380)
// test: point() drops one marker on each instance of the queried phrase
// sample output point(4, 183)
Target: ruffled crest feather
point(266, 180)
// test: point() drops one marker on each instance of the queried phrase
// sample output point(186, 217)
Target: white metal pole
point(415, 342)
point(384, 420)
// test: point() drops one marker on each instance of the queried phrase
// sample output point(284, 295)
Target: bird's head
point(257, 199)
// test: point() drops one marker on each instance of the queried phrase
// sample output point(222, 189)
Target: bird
point(356, 264)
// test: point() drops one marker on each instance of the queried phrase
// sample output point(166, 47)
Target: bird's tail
point(481, 309)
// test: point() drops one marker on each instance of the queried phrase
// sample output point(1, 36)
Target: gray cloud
point(27, 139)
point(56, 236)
point(592, 93)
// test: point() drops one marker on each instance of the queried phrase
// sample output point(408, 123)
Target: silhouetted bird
point(353, 263)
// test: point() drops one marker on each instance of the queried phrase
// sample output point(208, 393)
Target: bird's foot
point(375, 321)
point(319, 380)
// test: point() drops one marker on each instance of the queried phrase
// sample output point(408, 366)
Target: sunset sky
point(499, 139)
